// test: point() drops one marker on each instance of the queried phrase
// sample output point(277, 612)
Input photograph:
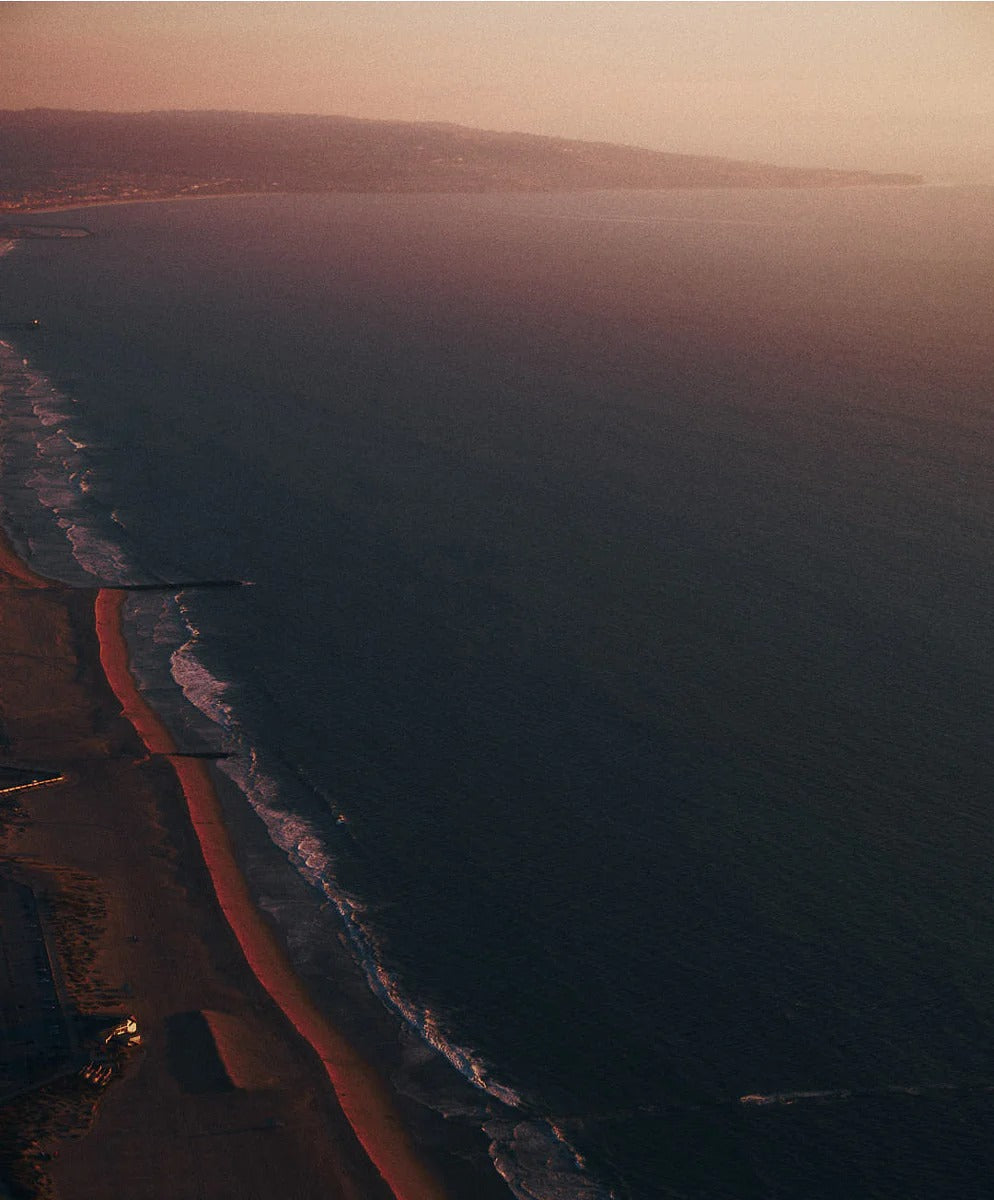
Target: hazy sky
point(886, 85)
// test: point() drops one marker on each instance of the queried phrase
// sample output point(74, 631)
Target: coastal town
point(72, 190)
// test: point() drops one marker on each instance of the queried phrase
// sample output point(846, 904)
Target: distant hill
point(53, 156)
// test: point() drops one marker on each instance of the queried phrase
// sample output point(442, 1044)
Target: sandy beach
point(240, 1087)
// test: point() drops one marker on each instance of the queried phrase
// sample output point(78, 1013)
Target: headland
point(58, 159)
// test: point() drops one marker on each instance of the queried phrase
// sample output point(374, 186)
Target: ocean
point(615, 679)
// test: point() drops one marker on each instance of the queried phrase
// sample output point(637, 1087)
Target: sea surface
point(616, 678)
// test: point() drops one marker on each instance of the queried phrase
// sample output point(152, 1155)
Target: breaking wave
point(533, 1156)
point(49, 473)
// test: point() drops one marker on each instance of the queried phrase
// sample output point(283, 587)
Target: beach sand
point(230, 1093)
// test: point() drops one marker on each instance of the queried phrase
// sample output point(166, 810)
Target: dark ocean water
point(618, 666)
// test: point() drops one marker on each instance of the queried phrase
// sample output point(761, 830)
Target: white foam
point(168, 626)
point(305, 847)
point(199, 686)
point(538, 1163)
point(469, 1064)
point(534, 1157)
point(762, 1099)
point(58, 471)
point(95, 553)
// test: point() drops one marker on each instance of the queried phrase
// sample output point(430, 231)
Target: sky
point(887, 86)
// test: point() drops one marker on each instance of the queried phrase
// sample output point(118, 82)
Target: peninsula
point(62, 158)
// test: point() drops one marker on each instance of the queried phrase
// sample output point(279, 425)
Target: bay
point(617, 665)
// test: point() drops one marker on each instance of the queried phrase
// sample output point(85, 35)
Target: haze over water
point(618, 658)
point(882, 87)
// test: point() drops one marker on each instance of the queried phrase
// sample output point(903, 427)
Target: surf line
point(361, 1095)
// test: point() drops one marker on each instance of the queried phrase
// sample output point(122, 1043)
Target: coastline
point(362, 1097)
point(951, 495)
point(11, 214)
point(117, 831)
point(416, 1148)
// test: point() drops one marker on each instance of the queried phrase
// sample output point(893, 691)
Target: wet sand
point(241, 1087)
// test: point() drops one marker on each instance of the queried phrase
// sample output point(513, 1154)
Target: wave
point(51, 476)
point(537, 1162)
point(531, 1153)
point(763, 1099)
point(883, 1091)
point(47, 471)
point(306, 846)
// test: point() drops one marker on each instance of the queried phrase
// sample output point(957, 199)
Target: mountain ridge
point(60, 156)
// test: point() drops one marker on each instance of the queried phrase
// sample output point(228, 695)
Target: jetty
point(179, 585)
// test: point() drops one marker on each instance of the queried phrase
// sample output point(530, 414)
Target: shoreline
point(361, 1095)
point(167, 948)
point(10, 215)
point(355, 1047)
